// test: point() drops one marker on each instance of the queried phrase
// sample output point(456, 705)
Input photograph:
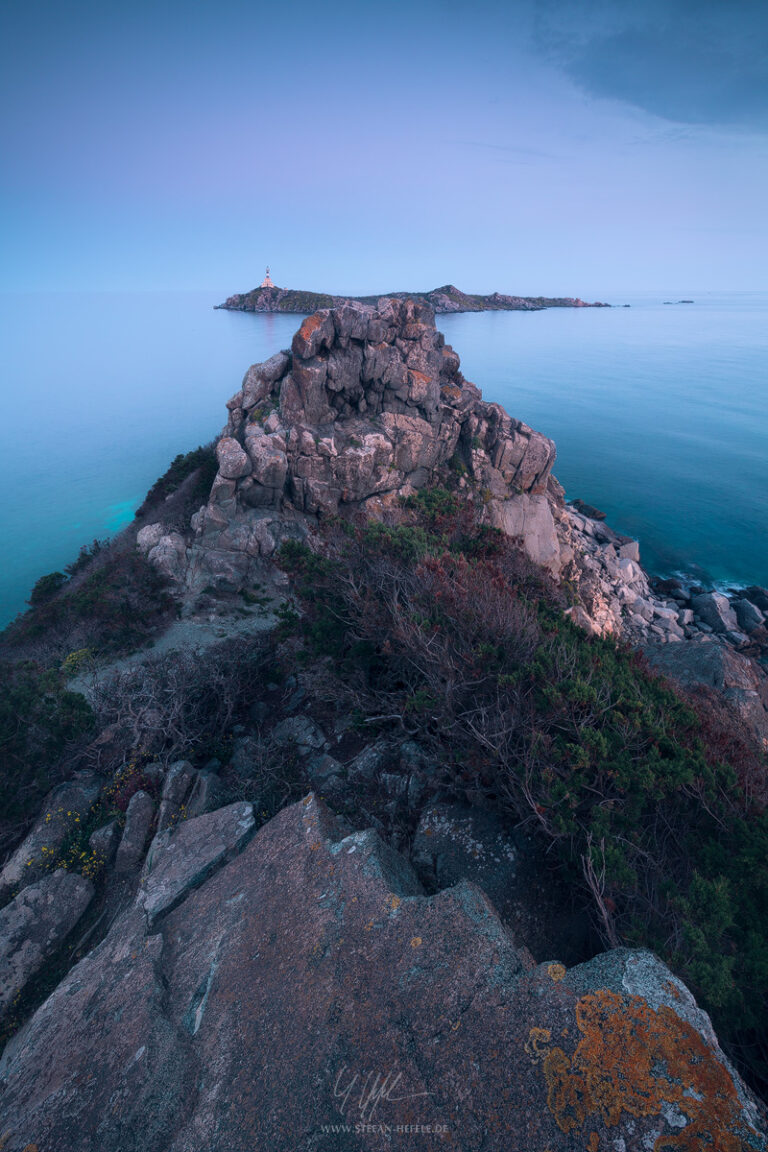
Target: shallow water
point(660, 413)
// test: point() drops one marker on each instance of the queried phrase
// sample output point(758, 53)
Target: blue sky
point(534, 146)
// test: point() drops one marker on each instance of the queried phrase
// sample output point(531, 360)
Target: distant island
point(269, 298)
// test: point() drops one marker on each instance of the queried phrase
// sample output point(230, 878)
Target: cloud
point(691, 61)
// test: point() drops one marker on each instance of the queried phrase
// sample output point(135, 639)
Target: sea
point(659, 412)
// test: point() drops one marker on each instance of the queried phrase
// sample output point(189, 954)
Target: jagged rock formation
point(298, 989)
point(448, 298)
point(370, 405)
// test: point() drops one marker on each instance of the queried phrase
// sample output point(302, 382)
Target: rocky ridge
point(368, 406)
point(298, 988)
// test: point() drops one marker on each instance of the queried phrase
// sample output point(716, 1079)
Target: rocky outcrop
point(448, 298)
point(306, 993)
point(369, 406)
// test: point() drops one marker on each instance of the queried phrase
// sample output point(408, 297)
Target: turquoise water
point(660, 414)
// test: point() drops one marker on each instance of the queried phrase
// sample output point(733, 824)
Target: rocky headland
point(448, 298)
point(428, 851)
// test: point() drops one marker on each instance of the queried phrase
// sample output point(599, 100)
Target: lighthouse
point(267, 281)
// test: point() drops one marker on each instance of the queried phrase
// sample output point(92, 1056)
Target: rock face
point(369, 405)
point(740, 681)
point(34, 925)
point(309, 995)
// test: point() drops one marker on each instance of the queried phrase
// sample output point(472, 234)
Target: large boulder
point(741, 681)
point(33, 927)
point(309, 995)
point(138, 822)
point(180, 859)
point(715, 610)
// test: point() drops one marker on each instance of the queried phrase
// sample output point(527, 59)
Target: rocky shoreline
point(446, 299)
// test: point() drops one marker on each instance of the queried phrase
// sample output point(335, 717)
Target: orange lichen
point(593, 1143)
point(309, 326)
point(393, 902)
point(632, 1059)
point(537, 1038)
point(556, 972)
point(415, 941)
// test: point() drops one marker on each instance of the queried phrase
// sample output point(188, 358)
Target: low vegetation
point(653, 802)
point(42, 723)
point(200, 464)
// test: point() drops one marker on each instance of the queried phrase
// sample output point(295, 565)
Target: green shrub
point(40, 722)
point(202, 460)
point(47, 587)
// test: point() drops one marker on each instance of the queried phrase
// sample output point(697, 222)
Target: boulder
point(749, 616)
point(138, 821)
point(715, 609)
point(300, 732)
point(759, 597)
point(181, 858)
point(65, 807)
point(148, 536)
point(427, 1000)
point(169, 555)
point(233, 461)
point(104, 841)
point(34, 926)
point(529, 518)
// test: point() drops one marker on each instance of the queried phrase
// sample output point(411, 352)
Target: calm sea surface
point(659, 412)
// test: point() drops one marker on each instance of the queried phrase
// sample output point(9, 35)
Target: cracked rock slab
point(34, 925)
point(181, 858)
point(312, 966)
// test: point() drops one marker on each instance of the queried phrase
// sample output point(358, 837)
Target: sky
point(560, 147)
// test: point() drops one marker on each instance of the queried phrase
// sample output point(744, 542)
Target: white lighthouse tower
point(267, 281)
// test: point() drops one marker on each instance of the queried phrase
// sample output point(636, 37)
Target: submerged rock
point(309, 983)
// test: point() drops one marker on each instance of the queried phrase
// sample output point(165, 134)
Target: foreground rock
point(309, 984)
point(34, 925)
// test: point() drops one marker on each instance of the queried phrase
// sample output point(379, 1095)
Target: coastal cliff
point(445, 299)
point(405, 805)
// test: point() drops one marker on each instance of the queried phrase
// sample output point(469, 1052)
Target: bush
point(202, 460)
point(41, 723)
point(114, 608)
point(47, 587)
